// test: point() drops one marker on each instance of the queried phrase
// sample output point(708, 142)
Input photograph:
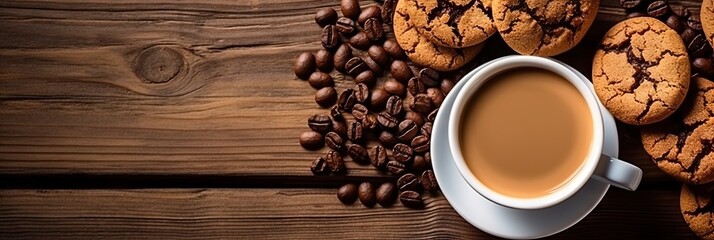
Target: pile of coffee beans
point(687, 24)
point(382, 121)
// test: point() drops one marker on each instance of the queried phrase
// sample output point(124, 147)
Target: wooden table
point(179, 119)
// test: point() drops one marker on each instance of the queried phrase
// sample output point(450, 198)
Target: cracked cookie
point(543, 28)
point(453, 23)
point(697, 208)
point(683, 145)
point(707, 18)
point(641, 71)
point(422, 51)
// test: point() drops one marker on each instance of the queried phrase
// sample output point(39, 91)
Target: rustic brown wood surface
point(194, 105)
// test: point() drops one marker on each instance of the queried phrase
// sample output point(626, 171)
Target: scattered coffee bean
point(432, 116)
point(422, 104)
point(345, 26)
point(378, 157)
point(680, 11)
point(408, 182)
point(373, 29)
point(361, 92)
point(394, 87)
point(419, 163)
point(323, 60)
point(336, 113)
point(378, 99)
point(359, 111)
point(350, 9)
point(703, 65)
point(325, 16)
point(386, 194)
point(330, 37)
point(401, 71)
point(394, 50)
point(411, 199)
point(388, 10)
point(387, 139)
point(630, 4)
point(335, 162)
point(421, 144)
point(386, 120)
point(425, 129)
point(342, 55)
point(698, 47)
point(407, 131)
point(658, 9)
point(688, 35)
point(436, 96)
point(674, 23)
point(360, 41)
point(394, 106)
point(304, 65)
point(396, 168)
point(429, 77)
point(415, 117)
point(355, 132)
point(415, 86)
point(378, 54)
point(358, 154)
point(355, 66)
point(346, 100)
point(373, 11)
point(636, 14)
point(339, 127)
point(319, 166)
point(374, 66)
point(366, 194)
point(428, 181)
point(347, 193)
point(427, 158)
point(694, 22)
point(334, 141)
point(366, 77)
point(326, 97)
point(370, 122)
point(403, 153)
point(447, 85)
point(320, 123)
point(320, 80)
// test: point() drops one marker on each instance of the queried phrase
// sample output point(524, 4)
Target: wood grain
point(295, 214)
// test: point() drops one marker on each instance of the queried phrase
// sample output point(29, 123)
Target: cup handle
point(618, 173)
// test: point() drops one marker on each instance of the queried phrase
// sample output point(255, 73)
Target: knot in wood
point(159, 64)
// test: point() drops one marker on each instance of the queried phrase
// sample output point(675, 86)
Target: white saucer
point(506, 222)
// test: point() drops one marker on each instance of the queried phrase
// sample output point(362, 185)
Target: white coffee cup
point(596, 165)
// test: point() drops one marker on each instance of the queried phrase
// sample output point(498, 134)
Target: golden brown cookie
point(706, 15)
point(453, 23)
point(543, 28)
point(683, 145)
point(641, 71)
point(697, 208)
point(423, 52)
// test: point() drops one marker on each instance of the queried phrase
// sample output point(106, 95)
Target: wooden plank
point(77, 95)
point(293, 213)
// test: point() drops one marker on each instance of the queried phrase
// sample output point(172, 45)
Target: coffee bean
point(330, 37)
point(388, 11)
point(428, 181)
point(319, 166)
point(378, 157)
point(680, 11)
point(350, 8)
point(403, 153)
point(396, 168)
point(355, 132)
point(361, 92)
point(415, 117)
point(386, 120)
point(401, 71)
point(325, 16)
point(367, 78)
point(326, 97)
point(374, 66)
point(408, 182)
point(415, 86)
point(366, 194)
point(378, 54)
point(346, 100)
point(334, 141)
point(370, 122)
point(355, 66)
point(419, 163)
point(336, 113)
point(347, 193)
point(394, 50)
point(432, 115)
point(658, 9)
point(421, 144)
point(373, 11)
point(378, 99)
point(335, 162)
point(447, 85)
point(358, 154)
point(342, 55)
point(360, 41)
point(345, 26)
point(703, 65)
point(422, 104)
point(394, 87)
point(694, 22)
point(411, 200)
point(427, 158)
point(320, 80)
point(425, 129)
point(339, 127)
point(630, 4)
point(320, 123)
point(429, 77)
point(373, 29)
point(674, 23)
point(386, 194)
point(698, 47)
point(407, 131)
point(688, 35)
point(636, 14)
point(359, 111)
point(304, 65)
point(387, 139)
point(394, 106)
point(436, 96)
point(323, 60)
